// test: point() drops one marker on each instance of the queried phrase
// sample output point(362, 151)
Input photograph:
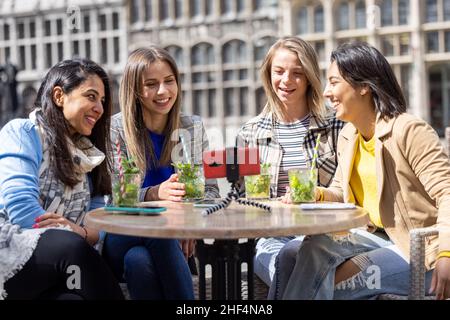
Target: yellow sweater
point(363, 180)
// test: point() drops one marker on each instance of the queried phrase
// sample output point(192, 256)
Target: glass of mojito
point(194, 180)
point(126, 191)
point(258, 186)
point(302, 183)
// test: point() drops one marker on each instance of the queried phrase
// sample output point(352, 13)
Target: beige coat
point(413, 180)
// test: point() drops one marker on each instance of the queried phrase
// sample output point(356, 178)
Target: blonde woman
point(287, 128)
point(150, 102)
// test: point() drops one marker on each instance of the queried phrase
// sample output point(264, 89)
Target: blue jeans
point(154, 269)
point(312, 274)
point(267, 250)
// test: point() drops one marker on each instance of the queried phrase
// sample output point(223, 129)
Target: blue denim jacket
point(20, 160)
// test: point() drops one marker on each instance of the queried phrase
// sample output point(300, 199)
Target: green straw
point(316, 149)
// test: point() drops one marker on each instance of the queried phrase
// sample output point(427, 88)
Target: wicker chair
point(417, 266)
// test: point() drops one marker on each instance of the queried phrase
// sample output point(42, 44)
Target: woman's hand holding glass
point(171, 189)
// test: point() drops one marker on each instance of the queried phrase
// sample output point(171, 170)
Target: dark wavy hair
point(69, 75)
point(361, 64)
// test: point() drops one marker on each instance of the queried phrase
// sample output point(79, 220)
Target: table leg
point(226, 258)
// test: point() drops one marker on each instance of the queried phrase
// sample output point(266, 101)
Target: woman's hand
point(171, 189)
point(50, 219)
point(440, 283)
point(188, 247)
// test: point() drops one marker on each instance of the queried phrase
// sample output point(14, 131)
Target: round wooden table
point(226, 253)
point(182, 220)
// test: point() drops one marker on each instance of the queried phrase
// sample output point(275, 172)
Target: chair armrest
point(417, 261)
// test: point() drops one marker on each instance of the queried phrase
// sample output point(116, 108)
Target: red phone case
point(214, 162)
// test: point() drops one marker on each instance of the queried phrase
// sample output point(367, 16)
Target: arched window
point(204, 76)
point(262, 46)
point(360, 12)
point(176, 53)
point(344, 18)
point(235, 76)
point(234, 51)
point(302, 21)
point(318, 19)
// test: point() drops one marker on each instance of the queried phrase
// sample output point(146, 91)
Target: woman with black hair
point(393, 165)
point(50, 166)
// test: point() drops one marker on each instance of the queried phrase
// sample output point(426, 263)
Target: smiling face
point(159, 89)
point(347, 101)
point(288, 79)
point(83, 106)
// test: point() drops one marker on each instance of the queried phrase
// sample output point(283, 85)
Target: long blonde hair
point(308, 59)
point(136, 136)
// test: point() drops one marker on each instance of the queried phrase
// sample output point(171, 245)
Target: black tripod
point(234, 195)
point(233, 178)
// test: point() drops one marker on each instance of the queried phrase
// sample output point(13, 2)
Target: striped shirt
point(290, 136)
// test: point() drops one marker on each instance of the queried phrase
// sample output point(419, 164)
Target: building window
point(209, 8)
point(60, 50)
point(115, 20)
point(261, 99)
point(102, 22)
point(59, 27)
point(432, 42)
point(262, 46)
point(404, 44)
point(135, 8)
point(178, 9)
point(203, 79)
point(177, 54)
point(258, 4)
point(87, 48)
point(21, 30)
point(431, 11)
point(196, 8)
point(344, 16)
point(103, 51)
point(33, 57)
point(405, 78)
point(47, 27)
point(234, 51)
point(235, 75)
point(318, 19)
point(319, 47)
point(163, 10)
point(48, 55)
point(447, 40)
point(6, 31)
point(387, 18)
point(75, 48)
point(148, 10)
point(360, 16)
point(229, 103)
point(388, 45)
point(226, 7)
point(116, 44)
point(240, 6)
point(32, 29)
point(86, 23)
point(302, 21)
point(22, 58)
point(403, 12)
